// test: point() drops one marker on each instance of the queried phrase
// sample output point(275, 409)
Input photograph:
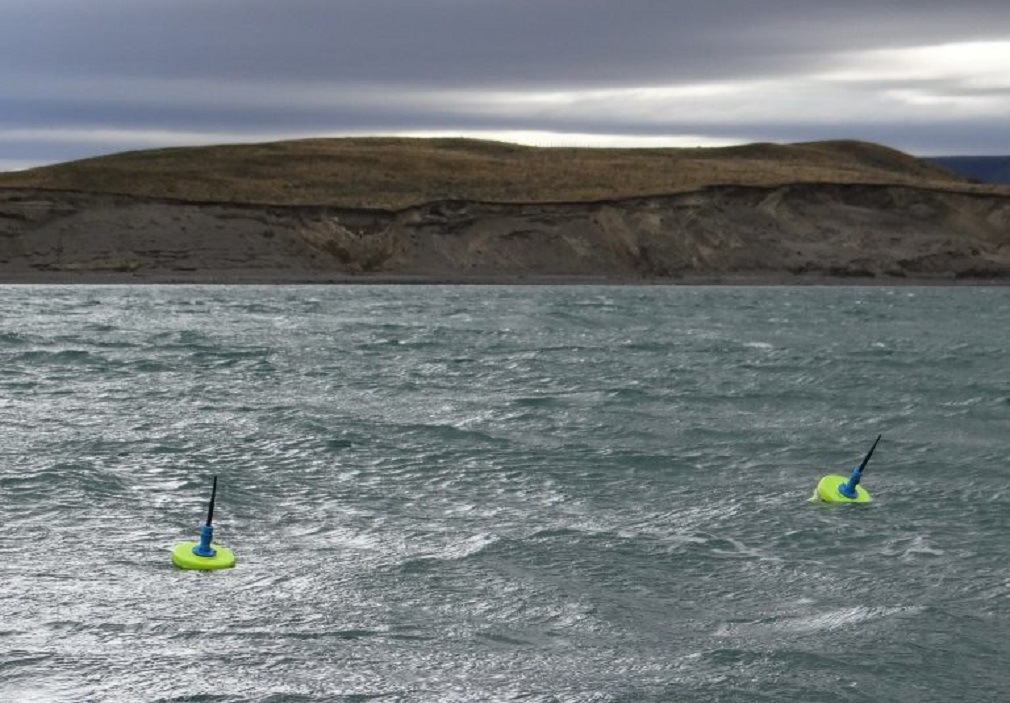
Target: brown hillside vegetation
point(394, 173)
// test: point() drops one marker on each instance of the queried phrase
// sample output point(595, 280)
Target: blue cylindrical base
point(204, 549)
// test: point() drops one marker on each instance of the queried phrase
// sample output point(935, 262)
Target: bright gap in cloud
point(570, 139)
point(970, 78)
point(143, 139)
point(125, 137)
point(110, 141)
point(979, 64)
point(16, 165)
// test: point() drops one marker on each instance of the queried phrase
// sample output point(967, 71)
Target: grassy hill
point(399, 172)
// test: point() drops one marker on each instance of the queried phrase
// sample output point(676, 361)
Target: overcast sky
point(86, 77)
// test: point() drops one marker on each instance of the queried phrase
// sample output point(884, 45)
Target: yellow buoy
point(204, 555)
point(184, 557)
point(839, 489)
point(828, 491)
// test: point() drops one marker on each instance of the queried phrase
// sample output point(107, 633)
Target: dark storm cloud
point(263, 67)
point(507, 42)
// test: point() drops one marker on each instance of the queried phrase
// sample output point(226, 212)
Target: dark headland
point(466, 211)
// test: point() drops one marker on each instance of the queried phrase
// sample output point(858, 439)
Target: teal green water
point(538, 494)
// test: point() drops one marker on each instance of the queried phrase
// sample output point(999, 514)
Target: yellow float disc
point(184, 558)
point(827, 491)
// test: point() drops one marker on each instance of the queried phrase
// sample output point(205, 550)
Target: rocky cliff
point(786, 233)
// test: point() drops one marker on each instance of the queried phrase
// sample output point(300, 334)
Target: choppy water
point(504, 493)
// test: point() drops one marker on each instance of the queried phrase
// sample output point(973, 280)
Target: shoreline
point(277, 277)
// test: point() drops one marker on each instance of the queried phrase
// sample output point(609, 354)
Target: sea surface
point(539, 494)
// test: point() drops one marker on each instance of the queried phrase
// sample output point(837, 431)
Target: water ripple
point(510, 494)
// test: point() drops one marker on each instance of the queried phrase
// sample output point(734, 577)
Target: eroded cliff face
point(781, 233)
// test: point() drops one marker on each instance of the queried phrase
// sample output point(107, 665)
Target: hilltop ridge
point(393, 173)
